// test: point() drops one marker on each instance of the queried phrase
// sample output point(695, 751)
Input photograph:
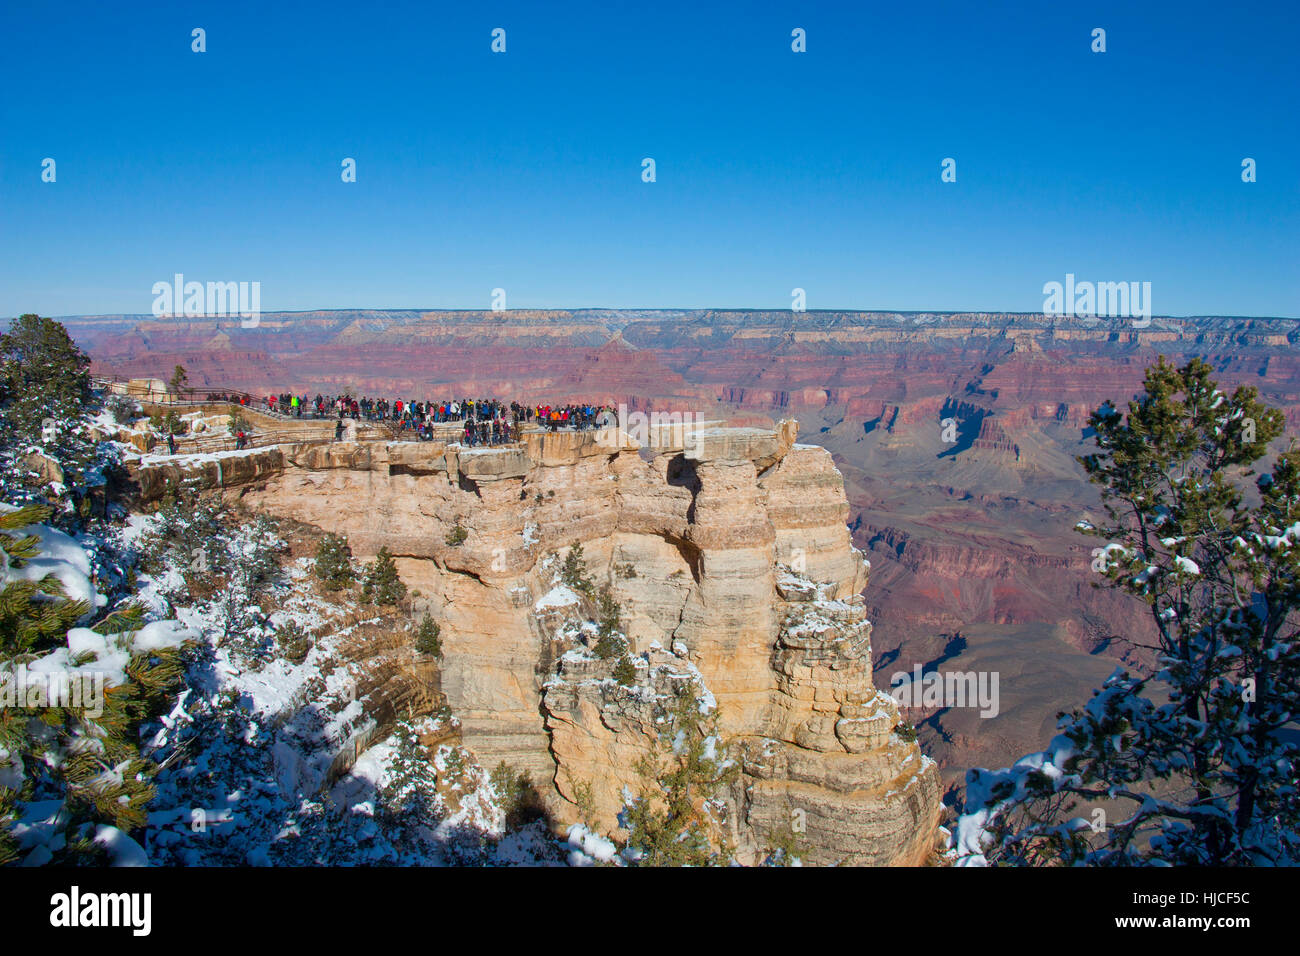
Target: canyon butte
point(955, 435)
point(728, 552)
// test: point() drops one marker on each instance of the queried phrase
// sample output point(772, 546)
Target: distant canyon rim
point(956, 434)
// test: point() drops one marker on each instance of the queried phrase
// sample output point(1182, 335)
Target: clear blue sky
point(775, 169)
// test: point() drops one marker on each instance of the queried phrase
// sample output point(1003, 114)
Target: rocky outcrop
point(728, 554)
point(215, 471)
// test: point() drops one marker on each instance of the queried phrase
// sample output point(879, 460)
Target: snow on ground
point(209, 456)
point(587, 848)
point(558, 596)
point(248, 751)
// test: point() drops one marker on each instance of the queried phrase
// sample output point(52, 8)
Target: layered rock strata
point(728, 554)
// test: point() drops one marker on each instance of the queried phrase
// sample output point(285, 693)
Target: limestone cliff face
point(729, 555)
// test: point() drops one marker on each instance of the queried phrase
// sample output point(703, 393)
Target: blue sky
point(522, 170)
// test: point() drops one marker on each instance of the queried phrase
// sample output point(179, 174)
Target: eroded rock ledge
point(729, 555)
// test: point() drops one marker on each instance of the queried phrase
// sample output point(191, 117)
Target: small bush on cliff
point(238, 423)
point(573, 573)
point(585, 801)
point(608, 624)
point(334, 562)
point(123, 408)
point(456, 536)
point(609, 614)
point(625, 671)
point(168, 424)
point(427, 639)
point(382, 585)
point(293, 642)
point(782, 848)
point(905, 731)
point(518, 796)
point(454, 764)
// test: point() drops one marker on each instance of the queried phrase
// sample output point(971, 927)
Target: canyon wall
point(728, 552)
point(957, 435)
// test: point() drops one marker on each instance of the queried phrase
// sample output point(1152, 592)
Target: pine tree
point(44, 398)
point(674, 820)
point(171, 424)
point(382, 584)
point(33, 618)
point(625, 671)
point(334, 562)
point(1195, 751)
point(122, 407)
point(91, 761)
point(427, 638)
point(610, 643)
point(409, 796)
point(573, 573)
point(42, 375)
point(187, 533)
point(293, 642)
point(241, 624)
point(253, 555)
point(609, 614)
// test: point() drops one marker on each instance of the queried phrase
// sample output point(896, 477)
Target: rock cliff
point(728, 552)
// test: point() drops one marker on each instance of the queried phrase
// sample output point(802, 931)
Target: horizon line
point(144, 316)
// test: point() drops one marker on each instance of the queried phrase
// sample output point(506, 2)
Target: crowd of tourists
point(233, 399)
point(486, 421)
